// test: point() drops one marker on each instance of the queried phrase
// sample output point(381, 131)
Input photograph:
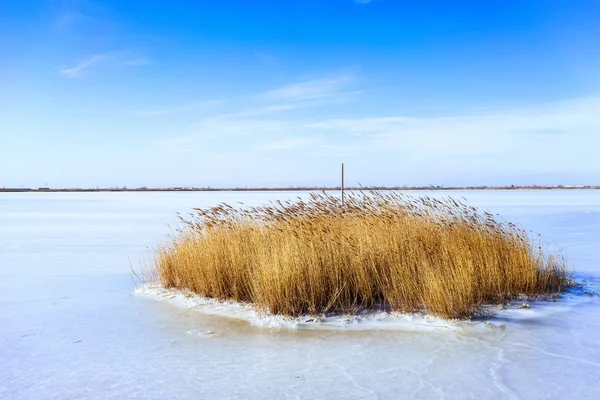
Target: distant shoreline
point(287, 189)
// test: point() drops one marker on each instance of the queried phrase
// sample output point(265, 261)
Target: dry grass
point(385, 250)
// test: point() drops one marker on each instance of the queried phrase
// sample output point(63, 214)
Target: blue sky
point(262, 93)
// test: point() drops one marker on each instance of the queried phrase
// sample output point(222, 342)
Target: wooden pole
point(342, 184)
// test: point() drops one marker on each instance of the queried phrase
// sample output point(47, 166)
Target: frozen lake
point(70, 327)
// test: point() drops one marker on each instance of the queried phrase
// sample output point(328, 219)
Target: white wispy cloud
point(290, 106)
point(363, 1)
point(77, 69)
point(312, 89)
point(110, 59)
point(284, 99)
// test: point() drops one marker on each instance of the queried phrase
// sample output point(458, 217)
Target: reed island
point(372, 250)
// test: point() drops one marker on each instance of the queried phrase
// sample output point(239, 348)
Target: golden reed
point(379, 250)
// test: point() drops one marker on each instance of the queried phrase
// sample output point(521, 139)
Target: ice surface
point(72, 328)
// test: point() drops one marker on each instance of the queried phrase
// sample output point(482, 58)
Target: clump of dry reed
point(378, 250)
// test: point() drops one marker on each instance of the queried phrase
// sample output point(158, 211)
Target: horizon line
point(297, 188)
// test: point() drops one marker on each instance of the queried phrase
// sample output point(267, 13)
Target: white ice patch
point(364, 320)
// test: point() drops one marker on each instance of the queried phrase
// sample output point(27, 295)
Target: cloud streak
point(77, 69)
point(311, 90)
point(111, 59)
point(287, 98)
point(290, 106)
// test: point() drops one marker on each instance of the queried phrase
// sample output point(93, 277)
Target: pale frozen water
point(71, 327)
